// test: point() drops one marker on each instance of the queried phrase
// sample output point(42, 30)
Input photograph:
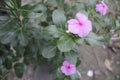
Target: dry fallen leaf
point(108, 65)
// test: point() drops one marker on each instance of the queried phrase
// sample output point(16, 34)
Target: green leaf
point(19, 69)
point(34, 15)
point(65, 44)
point(91, 3)
point(7, 24)
point(1, 61)
point(76, 49)
point(80, 41)
point(22, 39)
point(8, 64)
point(51, 2)
point(40, 7)
point(20, 50)
point(75, 77)
point(18, 3)
point(8, 38)
point(37, 11)
point(94, 39)
point(42, 18)
point(117, 22)
point(58, 17)
point(2, 19)
point(78, 61)
point(71, 57)
point(49, 52)
point(52, 30)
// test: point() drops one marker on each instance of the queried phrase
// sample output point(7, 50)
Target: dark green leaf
point(18, 3)
point(80, 41)
point(40, 7)
point(78, 61)
point(94, 39)
point(75, 77)
point(71, 57)
point(8, 38)
point(65, 44)
point(58, 17)
point(76, 49)
point(51, 2)
point(22, 39)
point(1, 60)
point(37, 12)
point(19, 69)
point(52, 30)
point(8, 64)
point(49, 51)
point(20, 50)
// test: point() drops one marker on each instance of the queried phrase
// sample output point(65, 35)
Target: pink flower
point(101, 8)
point(104, 46)
point(79, 74)
point(80, 26)
point(68, 69)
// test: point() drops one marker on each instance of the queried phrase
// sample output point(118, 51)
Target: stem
point(14, 3)
point(10, 8)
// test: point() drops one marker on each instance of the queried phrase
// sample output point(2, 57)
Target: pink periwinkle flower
point(79, 74)
point(101, 8)
point(68, 69)
point(80, 26)
point(104, 46)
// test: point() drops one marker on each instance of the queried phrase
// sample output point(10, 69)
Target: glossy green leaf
point(22, 39)
point(80, 41)
point(8, 64)
point(37, 11)
point(94, 39)
point(58, 17)
point(65, 44)
point(40, 7)
point(8, 38)
point(53, 30)
point(19, 69)
point(49, 51)
point(51, 2)
point(71, 57)
point(75, 77)
point(18, 3)
point(1, 61)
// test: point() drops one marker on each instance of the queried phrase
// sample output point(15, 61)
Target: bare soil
point(92, 59)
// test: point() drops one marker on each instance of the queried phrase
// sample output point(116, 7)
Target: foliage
point(36, 32)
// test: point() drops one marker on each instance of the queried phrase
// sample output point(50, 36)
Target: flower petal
point(73, 28)
point(85, 30)
point(66, 63)
point(68, 71)
point(101, 8)
point(73, 21)
point(81, 17)
point(64, 70)
point(72, 69)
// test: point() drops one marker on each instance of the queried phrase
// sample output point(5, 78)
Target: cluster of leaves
point(37, 32)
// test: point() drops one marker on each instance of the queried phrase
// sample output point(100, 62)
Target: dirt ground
point(104, 63)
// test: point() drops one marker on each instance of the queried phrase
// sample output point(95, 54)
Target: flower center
point(81, 24)
point(68, 67)
point(103, 6)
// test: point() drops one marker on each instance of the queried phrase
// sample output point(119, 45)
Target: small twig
point(13, 50)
